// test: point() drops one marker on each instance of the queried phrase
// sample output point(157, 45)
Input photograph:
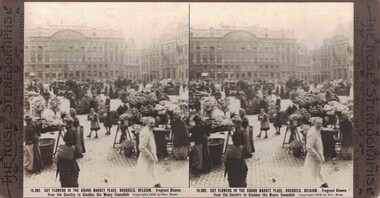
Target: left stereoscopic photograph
point(106, 95)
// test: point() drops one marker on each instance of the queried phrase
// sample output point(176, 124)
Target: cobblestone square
point(272, 165)
point(104, 166)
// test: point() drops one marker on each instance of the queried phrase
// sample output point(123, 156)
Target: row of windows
point(247, 74)
point(239, 48)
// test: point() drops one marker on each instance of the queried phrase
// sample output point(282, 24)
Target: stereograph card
point(189, 99)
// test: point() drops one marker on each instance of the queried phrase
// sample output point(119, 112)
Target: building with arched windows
point(79, 53)
point(243, 53)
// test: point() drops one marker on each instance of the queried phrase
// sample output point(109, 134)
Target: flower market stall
point(327, 108)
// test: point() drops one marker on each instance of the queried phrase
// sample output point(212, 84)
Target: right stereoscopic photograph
point(271, 95)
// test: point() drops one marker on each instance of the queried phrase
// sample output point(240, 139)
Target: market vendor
point(235, 167)
point(346, 134)
point(80, 140)
point(68, 169)
point(200, 159)
point(32, 154)
point(180, 137)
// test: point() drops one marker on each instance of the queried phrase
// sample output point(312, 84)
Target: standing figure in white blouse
point(314, 158)
point(145, 168)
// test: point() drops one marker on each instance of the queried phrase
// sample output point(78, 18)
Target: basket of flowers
point(128, 147)
point(296, 147)
point(50, 124)
point(220, 123)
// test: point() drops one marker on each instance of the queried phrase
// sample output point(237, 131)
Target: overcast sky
point(311, 21)
point(139, 21)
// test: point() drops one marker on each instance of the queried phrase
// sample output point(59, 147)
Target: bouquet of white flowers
point(51, 122)
point(38, 105)
point(221, 122)
point(161, 110)
point(209, 104)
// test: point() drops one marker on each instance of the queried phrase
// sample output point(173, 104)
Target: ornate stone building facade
point(78, 53)
point(246, 53)
point(333, 60)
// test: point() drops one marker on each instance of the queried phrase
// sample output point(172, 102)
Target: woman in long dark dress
point(108, 121)
point(200, 159)
point(79, 131)
point(32, 156)
point(277, 121)
point(68, 169)
point(180, 137)
point(248, 144)
point(346, 133)
point(236, 168)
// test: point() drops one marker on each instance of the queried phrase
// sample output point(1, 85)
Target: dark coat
point(68, 169)
point(108, 120)
point(277, 120)
point(346, 131)
point(199, 135)
point(244, 122)
point(264, 105)
point(238, 138)
point(31, 134)
point(237, 169)
point(31, 137)
point(197, 105)
point(108, 102)
point(181, 133)
point(72, 103)
point(243, 104)
point(93, 105)
point(122, 109)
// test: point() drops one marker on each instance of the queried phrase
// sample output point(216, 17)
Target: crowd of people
point(74, 142)
point(268, 96)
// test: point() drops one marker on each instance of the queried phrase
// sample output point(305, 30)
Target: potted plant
point(128, 146)
point(296, 146)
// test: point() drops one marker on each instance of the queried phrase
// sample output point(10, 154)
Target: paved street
point(103, 166)
point(273, 166)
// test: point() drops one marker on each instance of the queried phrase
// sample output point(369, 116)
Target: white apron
point(145, 168)
point(314, 159)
